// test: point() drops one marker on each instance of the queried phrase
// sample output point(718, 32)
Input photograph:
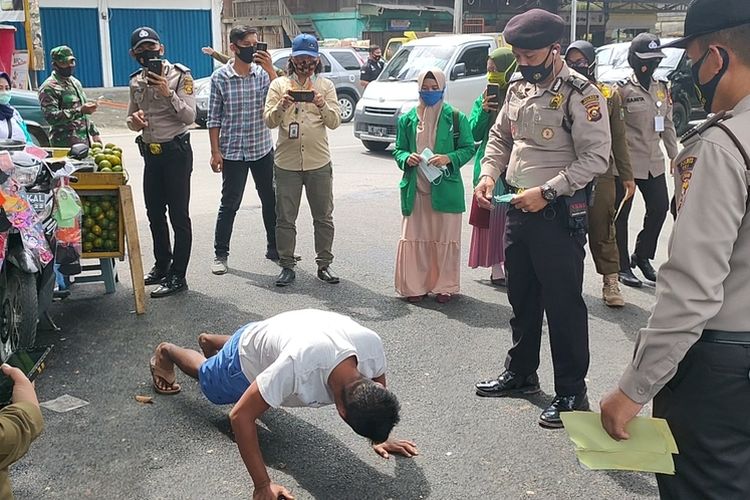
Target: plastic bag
point(68, 213)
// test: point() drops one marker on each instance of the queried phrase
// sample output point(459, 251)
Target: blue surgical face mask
point(4, 97)
point(431, 97)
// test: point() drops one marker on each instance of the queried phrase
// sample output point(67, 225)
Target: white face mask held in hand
point(432, 172)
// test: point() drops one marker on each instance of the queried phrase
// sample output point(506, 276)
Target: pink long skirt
point(488, 244)
point(429, 251)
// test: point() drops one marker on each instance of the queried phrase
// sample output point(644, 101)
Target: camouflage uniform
point(61, 100)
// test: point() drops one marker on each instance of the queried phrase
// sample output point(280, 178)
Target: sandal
point(443, 298)
point(161, 373)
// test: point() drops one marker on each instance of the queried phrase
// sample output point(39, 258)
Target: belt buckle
point(155, 149)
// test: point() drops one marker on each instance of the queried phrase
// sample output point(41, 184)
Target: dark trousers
point(654, 191)
point(544, 272)
point(166, 184)
point(707, 404)
point(234, 180)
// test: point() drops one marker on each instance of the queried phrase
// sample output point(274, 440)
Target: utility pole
point(458, 16)
point(573, 19)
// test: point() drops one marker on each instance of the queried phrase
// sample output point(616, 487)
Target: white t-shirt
point(291, 355)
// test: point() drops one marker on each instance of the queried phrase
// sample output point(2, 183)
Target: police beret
point(534, 29)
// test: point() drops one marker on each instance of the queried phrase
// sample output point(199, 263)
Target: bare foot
point(162, 371)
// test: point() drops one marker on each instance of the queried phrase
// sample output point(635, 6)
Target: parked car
point(27, 104)
point(340, 65)
point(612, 66)
point(395, 92)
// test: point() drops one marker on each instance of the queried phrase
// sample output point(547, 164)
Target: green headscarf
point(505, 65)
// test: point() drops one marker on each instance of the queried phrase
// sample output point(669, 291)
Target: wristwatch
point(548, 192)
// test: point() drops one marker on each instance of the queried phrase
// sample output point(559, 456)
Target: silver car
point(340, 65)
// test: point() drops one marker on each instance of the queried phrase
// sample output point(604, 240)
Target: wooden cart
point(112, 185)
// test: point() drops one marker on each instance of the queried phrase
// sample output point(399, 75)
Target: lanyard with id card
point(659, 119)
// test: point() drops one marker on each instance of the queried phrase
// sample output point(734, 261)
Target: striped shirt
point(236, 107)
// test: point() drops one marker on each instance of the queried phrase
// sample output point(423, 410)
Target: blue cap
point(305, 45)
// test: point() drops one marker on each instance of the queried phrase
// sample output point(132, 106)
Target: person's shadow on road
point(325, 467)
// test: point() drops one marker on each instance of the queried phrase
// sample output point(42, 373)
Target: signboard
point(399, 24)
point(594, 18)
point(12, 11)
point(20, 72)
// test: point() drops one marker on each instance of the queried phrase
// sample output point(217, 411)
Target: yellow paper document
point(649, 448)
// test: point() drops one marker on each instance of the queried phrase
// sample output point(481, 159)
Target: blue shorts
point(221, 377)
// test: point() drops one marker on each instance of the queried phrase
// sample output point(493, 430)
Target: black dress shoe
point(155, 276)
point(645, 266)
point(286, 277)
point(508, 384)
point(327, 275)
point(550, 417)
point(170, 286)
point(627, 278)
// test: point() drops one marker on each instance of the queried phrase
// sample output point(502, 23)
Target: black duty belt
point(157, 148)
point(723, 337)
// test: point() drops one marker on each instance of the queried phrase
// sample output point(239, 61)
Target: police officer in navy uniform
point(552, 138)
point(693, 357)
point(162, 107)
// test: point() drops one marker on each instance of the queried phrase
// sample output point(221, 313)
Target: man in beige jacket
point(303, 105)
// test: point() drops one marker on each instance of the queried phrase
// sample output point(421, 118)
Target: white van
point(463, 58)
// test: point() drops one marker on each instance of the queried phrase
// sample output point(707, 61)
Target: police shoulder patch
point(187, 84)
point(685, 170)
point(606, 90)
point(593, 107)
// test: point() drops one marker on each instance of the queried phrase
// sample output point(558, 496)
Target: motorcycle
point(27, 277)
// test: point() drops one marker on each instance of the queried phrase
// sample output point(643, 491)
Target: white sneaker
point(219, 266)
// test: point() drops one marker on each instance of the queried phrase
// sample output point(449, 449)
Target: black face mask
point(644, 69)
point(707, 91)
point(144, 57)
point(538, 73)
point(583, 68)
point(245, 54)
point(65, 72)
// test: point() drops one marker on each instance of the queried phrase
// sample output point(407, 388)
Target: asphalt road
point(180, 447)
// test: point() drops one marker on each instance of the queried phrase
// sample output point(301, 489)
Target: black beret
point(534, 29)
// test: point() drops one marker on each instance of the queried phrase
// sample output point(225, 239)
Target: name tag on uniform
point(294, 130)
point(659, 123)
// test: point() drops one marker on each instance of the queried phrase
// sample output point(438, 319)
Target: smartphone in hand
point(493, 93)
point(156, 66)
point(30, 361)
point(261, 46)
point(302, 95)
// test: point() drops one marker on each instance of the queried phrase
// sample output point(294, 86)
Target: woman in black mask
point(648, 119)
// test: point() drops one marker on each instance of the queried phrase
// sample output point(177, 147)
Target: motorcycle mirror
point(78, 151)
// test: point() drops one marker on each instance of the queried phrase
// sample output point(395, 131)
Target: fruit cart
point(109, 226)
